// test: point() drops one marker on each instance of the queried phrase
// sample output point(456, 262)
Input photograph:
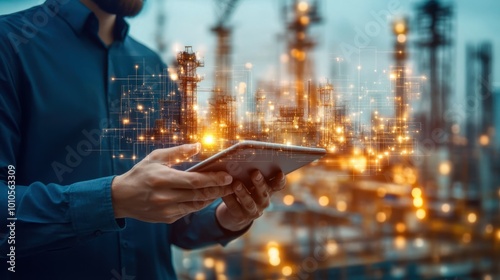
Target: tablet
point(241, 159)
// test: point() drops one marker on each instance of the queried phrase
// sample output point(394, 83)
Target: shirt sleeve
point(52, 217)
point(40, 217)
point(201, 229)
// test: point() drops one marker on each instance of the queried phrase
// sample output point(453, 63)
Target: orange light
point(418, 202)
point(484, 140)
point(286, 271)
point(416, 192)
point(341, 206)
point(208, 262)
point(400, 227)
point(323, 200)
point(445, 207)
point(472, 218)
point(421, 214)
point(288, 199)
point(381, 217)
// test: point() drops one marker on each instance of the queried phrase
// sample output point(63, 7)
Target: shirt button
point(125, 244)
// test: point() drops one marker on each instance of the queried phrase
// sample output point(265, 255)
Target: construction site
point(409, 188)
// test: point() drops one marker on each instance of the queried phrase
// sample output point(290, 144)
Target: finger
point(175, 154)
point(278, 183)
point(246, 201)
point(260, 193)
point(233, 205)
point(203, 194)
point(193, 180)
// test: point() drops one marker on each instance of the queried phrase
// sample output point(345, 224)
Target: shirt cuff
point(92, 208)
point(222, 235)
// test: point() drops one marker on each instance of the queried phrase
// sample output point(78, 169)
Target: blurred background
point(404, 95)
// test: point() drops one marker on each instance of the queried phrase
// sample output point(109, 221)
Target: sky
point(258, 24)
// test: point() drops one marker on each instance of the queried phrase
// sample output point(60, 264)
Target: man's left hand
point(241, 208)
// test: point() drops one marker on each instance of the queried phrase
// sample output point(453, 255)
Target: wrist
point(115, 194)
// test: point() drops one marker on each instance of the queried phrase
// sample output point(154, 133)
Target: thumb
point(175, 154)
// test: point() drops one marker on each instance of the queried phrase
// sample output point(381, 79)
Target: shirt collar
point(77, 15)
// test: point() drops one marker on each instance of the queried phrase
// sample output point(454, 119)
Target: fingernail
point(258, 176)
point(239, 187)
point(228, 179)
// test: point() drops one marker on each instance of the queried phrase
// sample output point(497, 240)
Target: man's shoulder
point(18, 20)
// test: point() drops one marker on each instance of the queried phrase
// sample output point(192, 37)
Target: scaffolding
point(434, 26)
point(188, 81)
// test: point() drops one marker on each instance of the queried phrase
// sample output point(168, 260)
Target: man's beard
point(123, 8)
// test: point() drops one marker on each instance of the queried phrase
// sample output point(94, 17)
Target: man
point(67, 215)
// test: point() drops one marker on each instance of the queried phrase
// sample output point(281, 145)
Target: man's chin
point(123, 8)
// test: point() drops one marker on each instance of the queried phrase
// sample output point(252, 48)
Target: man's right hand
point(153, 192)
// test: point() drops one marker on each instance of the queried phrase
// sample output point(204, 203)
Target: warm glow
point(274, 261)
point(323, 200)
point(466, 237)
point(421, 214)
point(139, 107)
point(208, 139)
point(381, 217)
point(288, 199)
point(332, 247)
point(401, 38)
point(445, 207)
point(400, 28)
point(418, 202)
point(273, 253)
point(472, 218)
point(208, 262)
point(304, 20)
point(341, 206)
point(488, 229)
point(126, 121)
point(220, 266)
point(286, 270)
point(445, 168)
point(498, 234)
point(381, 192)
point(400, 242)
point(400, 227)
point(484, 140)
point(302, 6)
point(416, 192)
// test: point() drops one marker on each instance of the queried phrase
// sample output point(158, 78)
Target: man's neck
point(106, 21)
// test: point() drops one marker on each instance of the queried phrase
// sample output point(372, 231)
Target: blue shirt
point(56, 99)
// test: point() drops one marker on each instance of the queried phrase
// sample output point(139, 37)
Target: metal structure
point(222, 112)
point(300, 16)
point(434, 27)
point(188, 82)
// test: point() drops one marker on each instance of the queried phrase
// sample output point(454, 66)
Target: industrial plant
point(410, 186)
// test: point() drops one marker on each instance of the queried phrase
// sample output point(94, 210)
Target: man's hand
point(241, 208)
point(153, 192)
